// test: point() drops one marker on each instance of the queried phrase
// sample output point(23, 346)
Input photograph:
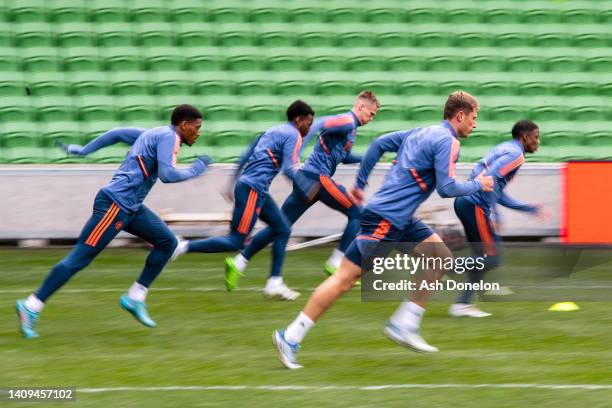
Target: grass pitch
point(207, 337)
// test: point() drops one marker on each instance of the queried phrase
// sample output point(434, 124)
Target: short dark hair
point(184, 112)
point(298, 108)
point(459, 101)
point(521, 127)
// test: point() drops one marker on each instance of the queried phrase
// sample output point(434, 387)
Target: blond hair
point(370, 97)
point(459, 101)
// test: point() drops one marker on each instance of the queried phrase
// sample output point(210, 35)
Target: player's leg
point(148, 226)
point(403, 326)
point(99, 230)
point(287, 341)
point(293, 208)
point(280, 227)
point(480, 233)
point(244, 217)
point(335, 196)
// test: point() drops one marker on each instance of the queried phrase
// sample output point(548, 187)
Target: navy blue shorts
point(375, 230)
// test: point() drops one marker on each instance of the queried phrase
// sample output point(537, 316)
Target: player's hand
point(543, 213)
point(68, 148)
point(486, 182)
point(200, 164)
point(356, 195)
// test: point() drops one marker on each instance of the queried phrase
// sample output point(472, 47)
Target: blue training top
point(336, 135)
point(274, 150)
point(426, 159)
point(502, 163)
point(152, 154)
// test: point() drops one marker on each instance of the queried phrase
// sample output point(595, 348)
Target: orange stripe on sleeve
point(335, 192)
point(453, 157)
point(512, 165)
point(296, 149)
point(338, 121)
point(143, 167)
point(177, 148)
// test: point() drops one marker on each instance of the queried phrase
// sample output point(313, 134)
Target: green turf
point(211, 337)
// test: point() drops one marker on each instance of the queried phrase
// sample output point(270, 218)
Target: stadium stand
point(70, 69)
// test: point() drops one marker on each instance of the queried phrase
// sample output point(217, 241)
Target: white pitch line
point(589, 387)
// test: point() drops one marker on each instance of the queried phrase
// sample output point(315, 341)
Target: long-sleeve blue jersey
point(335, 138)
point(152, 154)
point(502, 163)
point(126, 135)
point(426, 159)
point(274, 150)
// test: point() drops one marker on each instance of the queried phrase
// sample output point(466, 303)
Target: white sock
point(34, 304)
point(336, 258)
point(138, 292)
point(241, 262)
point(297, 330)
point(274, 281)
point(408, 316)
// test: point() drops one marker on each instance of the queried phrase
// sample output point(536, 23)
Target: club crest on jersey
point(118, 225)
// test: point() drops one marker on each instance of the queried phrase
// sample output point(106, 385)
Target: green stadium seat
point(244, 87)
point(406, 63)
point(155, 35)
point(115, 35)
point(485, 63)
point(500, 15)
point(525, 63)
point(121, 59)
point(306, 15)
point(228, 15)
point(319, 37)
point(187, 11)
point(551, 40)
point(204, 59)
point(579, 15)
point(66, 132)
point(195, 35)
point(220, 83)
point(425, 15)
point(386, 15)
point(346, 15)
point(605, 89)
point(29, 13)
point(6, 37)
point(266, 112)
point(223, 112)
point(464, 15)
point(351, 40)
point(565, 64)
point(270, 14)
point(53, 108)
point(535, 88)
point(96, 108)
point(47, 84)
point(12, 84)
point(245, 62)
point(32, 35)
point(577, 88)
point(293, 87)
point(598, 64)
point(148, 11)
point(325, 63)
point(137, 108)
point(539, 16)
point(74, 35)
point(40, 59)
point(163, 59)
point(130, 83)
point(548, 113)
point(598, 138)
point(108, 11)
point(230, 37)
point(81, 59)
point(69, 13)
point(273, 38)
point(9, 60)
point(172, 83)
point(19, 134)
point(588, 113)
point(591, 40)
point(281, 63)
point(89, 83)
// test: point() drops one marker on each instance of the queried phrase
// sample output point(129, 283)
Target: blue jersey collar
point(519, 144)
point(356, 118)
point(446, 124)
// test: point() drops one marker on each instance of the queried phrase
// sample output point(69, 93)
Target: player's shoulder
point(342, 119)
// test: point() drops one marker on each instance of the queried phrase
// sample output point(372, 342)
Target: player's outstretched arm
point(389, 142)
point(113, 136)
